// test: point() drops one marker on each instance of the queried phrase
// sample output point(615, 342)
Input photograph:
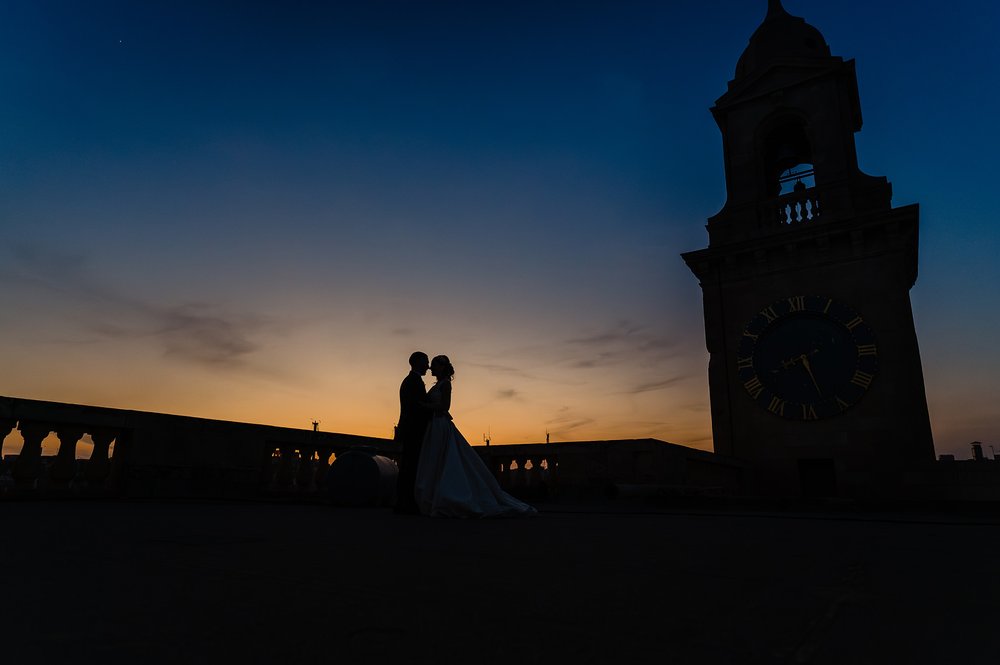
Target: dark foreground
point(262, 583)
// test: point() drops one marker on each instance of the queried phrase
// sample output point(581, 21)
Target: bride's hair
point(444, 365)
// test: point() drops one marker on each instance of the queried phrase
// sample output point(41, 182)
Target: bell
point(786, 157)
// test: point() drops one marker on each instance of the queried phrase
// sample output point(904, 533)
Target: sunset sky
point(256, 211)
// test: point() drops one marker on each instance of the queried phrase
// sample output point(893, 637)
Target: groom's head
point(419, 362)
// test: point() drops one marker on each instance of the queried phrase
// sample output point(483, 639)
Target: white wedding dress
point(452, 480)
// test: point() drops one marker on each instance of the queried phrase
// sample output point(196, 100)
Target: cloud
point(595, 361)
point(656, 385)
point(622, 331)
point(565, 421)
point(197, 332)
point(623, 343)
point(38, 266)
point(507, 393)
point(502, 369)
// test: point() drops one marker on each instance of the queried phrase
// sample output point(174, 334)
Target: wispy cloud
point(656, 385)
point(195, 332)
point(198, 332)
point(565, 421)
point(622, 343)
point(507, 393)
point(498, 368)
point(622, 331)
point(596, 360)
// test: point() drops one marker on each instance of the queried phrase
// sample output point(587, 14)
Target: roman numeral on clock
point(777, 406)
point(862, 379)
point(769, 314)
point(754, 387)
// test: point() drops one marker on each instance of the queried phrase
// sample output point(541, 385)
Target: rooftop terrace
point(158, 582)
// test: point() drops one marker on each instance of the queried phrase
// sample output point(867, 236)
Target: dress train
point(452, 480)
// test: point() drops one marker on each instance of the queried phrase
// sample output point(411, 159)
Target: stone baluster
point(517, 476)
point(542, 474)
point(6, 427)
point(98, 464)
point(268, 467)
point(306, 477)
point(550, 472)
point(64, 467)
point(118, 473)
point(285, 474)
point(29, 462)
point(322, 465)
point(801, 206)
point(532, 472)
point(502, 466)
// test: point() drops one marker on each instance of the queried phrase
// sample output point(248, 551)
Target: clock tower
point(814, 368)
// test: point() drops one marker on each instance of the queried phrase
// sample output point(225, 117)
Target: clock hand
point(805, 364)
point(795, 360)
point(791, 362)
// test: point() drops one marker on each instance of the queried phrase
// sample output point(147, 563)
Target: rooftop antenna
point(546, 436)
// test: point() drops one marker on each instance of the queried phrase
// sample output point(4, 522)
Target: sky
point(256, 211)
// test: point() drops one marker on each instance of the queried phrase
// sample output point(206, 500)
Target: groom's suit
point(413, 419)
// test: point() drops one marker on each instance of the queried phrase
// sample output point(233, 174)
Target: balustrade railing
point(298, 469)
point(151, 454)
point(526, 471)
point(29, 470)
point(139, 454)
point(797, 207)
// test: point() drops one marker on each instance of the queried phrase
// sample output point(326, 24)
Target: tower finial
point(774, 8)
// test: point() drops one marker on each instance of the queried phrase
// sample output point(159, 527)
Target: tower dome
point(779, 37)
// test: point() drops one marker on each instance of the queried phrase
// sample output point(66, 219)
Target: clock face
point(806, 357)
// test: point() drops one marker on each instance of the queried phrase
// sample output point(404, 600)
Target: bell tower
point(814, 373)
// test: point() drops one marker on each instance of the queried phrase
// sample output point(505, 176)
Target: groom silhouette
point(413, 418)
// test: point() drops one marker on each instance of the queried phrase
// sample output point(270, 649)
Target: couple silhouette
point(440, 475)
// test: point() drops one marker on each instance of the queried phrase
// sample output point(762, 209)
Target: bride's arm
point(439, 401)
point(445, 398)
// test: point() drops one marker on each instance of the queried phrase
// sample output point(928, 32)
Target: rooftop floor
point(102, 582)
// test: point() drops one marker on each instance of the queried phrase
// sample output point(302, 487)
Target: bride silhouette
point(452, 481)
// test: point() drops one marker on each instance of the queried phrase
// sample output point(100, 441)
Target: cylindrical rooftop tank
point(359, 477)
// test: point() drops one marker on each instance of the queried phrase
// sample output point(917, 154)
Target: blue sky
point(255, 211)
